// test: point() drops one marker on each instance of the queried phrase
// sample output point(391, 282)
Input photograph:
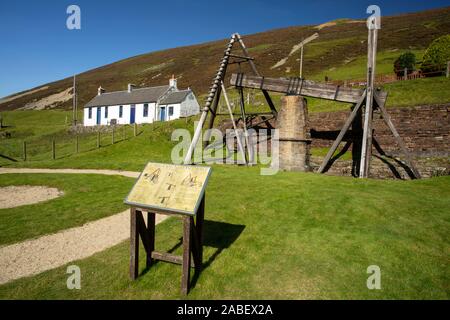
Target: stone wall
point(424, 129)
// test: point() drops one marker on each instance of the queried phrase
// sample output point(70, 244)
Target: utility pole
point(74, 99)
point(301, 60)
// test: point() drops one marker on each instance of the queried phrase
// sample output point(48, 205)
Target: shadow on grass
point(8, 158)
point(218, 235)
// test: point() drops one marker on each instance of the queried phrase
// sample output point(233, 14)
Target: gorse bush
point(436, 56)
point(406, 60)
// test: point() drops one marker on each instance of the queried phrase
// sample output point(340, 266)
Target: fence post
point(112, 135)
point(76, 144)
point(53, 149)
point(98, 139)
point(24, 151)
point(135, 129)
point(405, 74)
point(447, 74)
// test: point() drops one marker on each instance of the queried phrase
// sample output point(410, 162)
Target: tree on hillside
point(436, 56)
point(406, 60)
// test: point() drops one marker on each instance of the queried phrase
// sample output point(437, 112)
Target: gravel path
point(130, 174)
point(15, 196)
point(34, 256)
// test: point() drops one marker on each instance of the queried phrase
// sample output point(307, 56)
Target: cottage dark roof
point(140, 95)
point(175, 97)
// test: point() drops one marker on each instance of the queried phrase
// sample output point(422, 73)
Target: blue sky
point(36, 46)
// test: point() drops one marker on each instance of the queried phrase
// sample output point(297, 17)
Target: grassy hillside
point(339, 52)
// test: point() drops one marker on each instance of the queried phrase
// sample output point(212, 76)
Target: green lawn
point(287, 236)
point(86, 198)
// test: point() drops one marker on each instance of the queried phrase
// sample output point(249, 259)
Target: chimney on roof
point(100, 90)
point(130, 87)
point(173, 82)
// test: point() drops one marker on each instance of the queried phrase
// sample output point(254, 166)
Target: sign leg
point(151, 235)
point(199, 227)
point(134, 245)
point(186, 255)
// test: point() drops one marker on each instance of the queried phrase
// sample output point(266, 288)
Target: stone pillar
point(295, 138)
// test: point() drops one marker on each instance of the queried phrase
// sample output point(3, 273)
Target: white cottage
point(140, 105)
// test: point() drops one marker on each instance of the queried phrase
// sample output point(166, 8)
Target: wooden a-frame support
point(215, 93)
point(371, 100)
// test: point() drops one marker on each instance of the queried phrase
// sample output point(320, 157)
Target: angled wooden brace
point(342, 133)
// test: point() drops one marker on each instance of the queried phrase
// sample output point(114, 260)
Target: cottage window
point(170, 111)
point(120, 111)
point(106, 112)
point(90, 113)
point(146, 110)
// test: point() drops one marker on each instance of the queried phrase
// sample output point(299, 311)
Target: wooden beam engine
point(298, 86)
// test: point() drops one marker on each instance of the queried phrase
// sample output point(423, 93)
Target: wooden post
point(366, 149)
point(405, 74)
point(98, 139)
point(112, 135)
point(199, 226)
point(135, 129)
point(186, 255)
point(134, 245)
point(301, 61)
point(53, 149)
point(151, 235)
point(239, 141)
point(24, 151)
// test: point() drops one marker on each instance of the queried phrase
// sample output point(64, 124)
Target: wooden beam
point(342, 133)
point(305, 88)
point(387, 119)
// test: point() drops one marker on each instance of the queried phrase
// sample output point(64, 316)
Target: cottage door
point(132, 114)
point(99, 115)
point(162, 114)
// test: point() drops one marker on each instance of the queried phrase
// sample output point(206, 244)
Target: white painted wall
point(190, 106)
point(187, 108)
point(113, 113)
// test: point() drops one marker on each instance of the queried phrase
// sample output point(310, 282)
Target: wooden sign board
point(170, 188)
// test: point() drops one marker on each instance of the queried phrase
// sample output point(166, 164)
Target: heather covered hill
point(339, 42)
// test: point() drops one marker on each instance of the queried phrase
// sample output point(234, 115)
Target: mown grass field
point(86, 198)
point(288, 236)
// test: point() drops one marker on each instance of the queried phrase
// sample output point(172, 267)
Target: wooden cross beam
point(301, 87)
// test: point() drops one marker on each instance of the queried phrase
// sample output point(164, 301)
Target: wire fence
point(75, 141)
point(425, 71)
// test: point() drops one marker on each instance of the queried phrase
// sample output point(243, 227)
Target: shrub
point(436, 56)
point(406, 60)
